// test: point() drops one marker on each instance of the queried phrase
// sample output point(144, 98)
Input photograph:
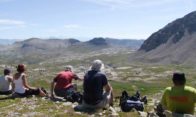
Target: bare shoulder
point(17, 75)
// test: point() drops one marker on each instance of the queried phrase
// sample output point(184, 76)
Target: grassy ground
point(150, 80)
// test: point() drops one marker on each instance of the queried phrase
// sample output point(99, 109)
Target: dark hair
point(7, 71)
point(21, 68)
point(179, 78)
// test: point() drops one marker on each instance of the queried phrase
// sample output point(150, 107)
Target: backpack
point(73, 96)
point(127, 103)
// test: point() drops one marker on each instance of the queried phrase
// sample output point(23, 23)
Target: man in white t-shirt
point(6, 82)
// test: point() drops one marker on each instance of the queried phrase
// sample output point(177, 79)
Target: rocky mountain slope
point(175, 43)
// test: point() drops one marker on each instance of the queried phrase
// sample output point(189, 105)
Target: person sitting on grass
point(62, 84)
point(97, 90)
point(6, 82)
point(179, 98)
point(21, 86)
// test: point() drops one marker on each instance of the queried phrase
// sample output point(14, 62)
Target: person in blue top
point(97, 90)
point(6, 82)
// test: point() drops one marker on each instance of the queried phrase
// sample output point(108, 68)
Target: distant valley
point(35, 50)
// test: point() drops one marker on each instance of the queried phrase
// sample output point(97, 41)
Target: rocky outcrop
point(173, 32)
point(173, 44)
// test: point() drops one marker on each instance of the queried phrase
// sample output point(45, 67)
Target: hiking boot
point(46, 93)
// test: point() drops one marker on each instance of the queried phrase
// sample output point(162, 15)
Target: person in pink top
point(62, 84)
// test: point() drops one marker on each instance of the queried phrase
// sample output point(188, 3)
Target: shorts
point(64, 92)
point(5, 92)
point(29, 92)
point(104, 103)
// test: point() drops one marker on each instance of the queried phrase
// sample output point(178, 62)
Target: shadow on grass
point(7, 98)
point(81, 108)
point(57, 99)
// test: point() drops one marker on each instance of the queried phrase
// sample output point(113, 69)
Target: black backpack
point(74, 97)
point(127, 103)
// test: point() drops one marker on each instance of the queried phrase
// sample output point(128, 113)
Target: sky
point(86, 19)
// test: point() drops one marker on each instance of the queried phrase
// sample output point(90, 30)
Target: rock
point(67, 103)
point(100, 114)
point(152, 114)
point(73, 105)
point(142, 114)
point(114, 113)
point(118, 109)
point(93, 115)
point(79, 113)
point(32, 114)
point(57, 102)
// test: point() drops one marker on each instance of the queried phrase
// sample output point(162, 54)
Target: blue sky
point(85, 19)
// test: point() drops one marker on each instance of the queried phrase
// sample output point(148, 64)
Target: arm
point(108, 88)
point(25, 83)
point(10, 79)
point(76, 77)
point(52, 89)
point(163, 100)
point(13, 86)
point(106, 84)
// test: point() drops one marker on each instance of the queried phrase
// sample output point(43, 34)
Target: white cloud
point(8, 24)
point(110, 2)
point(72, 26)
point(115, 4)
point(11, 22)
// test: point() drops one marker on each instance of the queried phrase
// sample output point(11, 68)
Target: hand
point(52, 96)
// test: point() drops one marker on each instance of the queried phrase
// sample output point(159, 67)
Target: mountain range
point(35, 49)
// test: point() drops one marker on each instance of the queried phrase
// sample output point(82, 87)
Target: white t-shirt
point(5, 85)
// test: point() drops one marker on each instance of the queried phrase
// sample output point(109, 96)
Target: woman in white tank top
point(18, 83)
point(21, 86)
